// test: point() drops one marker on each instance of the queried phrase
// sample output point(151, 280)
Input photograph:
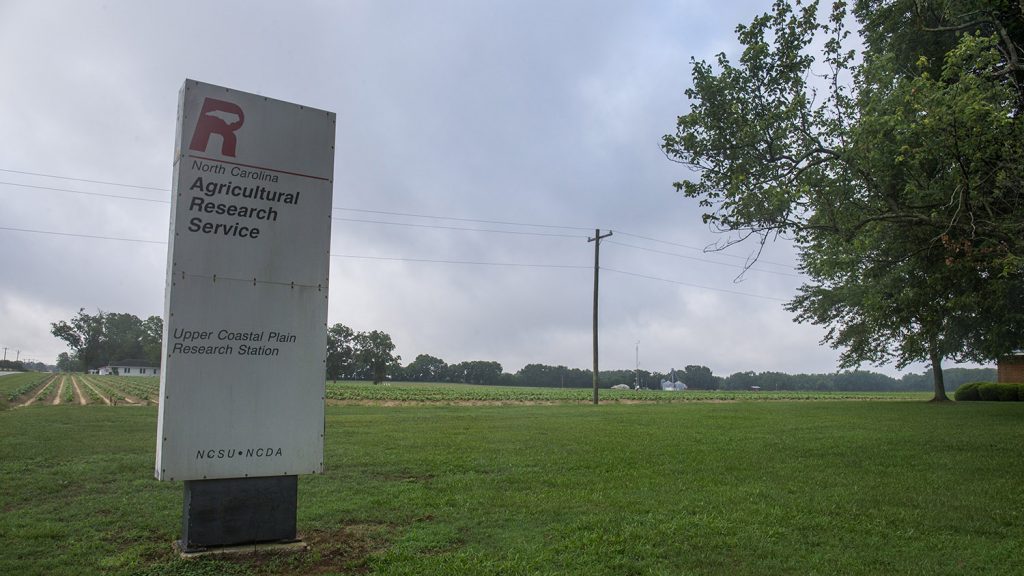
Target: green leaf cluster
point(896, 169)
point(99, 339)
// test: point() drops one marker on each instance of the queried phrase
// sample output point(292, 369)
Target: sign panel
point(245, 308)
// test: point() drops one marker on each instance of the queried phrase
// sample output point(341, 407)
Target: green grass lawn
point(684, 488)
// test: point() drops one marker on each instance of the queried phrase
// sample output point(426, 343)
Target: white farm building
point(130, 368)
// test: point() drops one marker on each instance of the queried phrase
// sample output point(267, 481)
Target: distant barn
point(130, 368)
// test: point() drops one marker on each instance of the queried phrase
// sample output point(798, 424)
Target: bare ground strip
point(60, 390)
point(115, 392)
point(103, 397)
point(82, 401)
point(35, 396)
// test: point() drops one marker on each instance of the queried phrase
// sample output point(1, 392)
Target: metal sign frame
point(244, 343)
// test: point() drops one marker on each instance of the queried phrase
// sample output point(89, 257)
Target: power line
point(384, 212)
point(160, 201)
point(87, 193)
point(501, 222)
point(437, 227)
point(467, 262)
point(407, 224)
point(456, 228)
point(704, 260)
point(424, 260)
point(84, 180)
point(736, 292)
point(420, 260)
point(701, 250)
point(52, 233)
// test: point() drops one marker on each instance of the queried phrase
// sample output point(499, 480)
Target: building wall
point(1011, 368)
point(138, 371)
point(130, 370)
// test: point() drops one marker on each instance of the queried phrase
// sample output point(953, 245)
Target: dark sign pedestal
point(238, 511)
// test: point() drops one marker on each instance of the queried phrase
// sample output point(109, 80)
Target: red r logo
point(217, 117)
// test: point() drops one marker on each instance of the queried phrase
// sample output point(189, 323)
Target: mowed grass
point(690, 488)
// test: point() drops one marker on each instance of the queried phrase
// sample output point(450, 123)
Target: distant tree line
point(24, 366)
point(369, 356)
point(96, 340)
point(854, 381)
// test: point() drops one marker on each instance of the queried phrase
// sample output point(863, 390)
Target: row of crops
point(144, 388)
point(123, 389)
point(135, 391)
point(16, 386)
point(41, 388)
point(465, 393)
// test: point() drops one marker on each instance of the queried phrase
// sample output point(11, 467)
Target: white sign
point(245, 309)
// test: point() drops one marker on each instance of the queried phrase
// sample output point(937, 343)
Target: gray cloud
point(535, 112)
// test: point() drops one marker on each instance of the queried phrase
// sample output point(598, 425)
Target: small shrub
point(1007, 392)
point(968, 392)
point(989, 391)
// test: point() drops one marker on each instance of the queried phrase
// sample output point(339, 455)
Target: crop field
point(21, 390)
point(729, 488)
point(82, 389)
point(414, 392)
point(16, 387)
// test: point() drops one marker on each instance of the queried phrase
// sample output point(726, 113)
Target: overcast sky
point(479, 144)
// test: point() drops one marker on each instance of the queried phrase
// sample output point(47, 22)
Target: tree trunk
point(940, 385)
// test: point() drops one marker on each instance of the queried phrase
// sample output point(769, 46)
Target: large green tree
point(123, 336)
point(84, 335)
point(476, 372)
point(105, 337)
point(896, 171)
point(65, 363)
point(152, 339)
point(698, 378)
point(340, 352)
point(374, 353)
point(426, 368)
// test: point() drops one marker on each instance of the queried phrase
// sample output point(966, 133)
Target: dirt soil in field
point(60, 390)
point(80, 388)
point(81, 399)
point(102, 396)
point(34, 396)
point(132, 400)
point(128, 399)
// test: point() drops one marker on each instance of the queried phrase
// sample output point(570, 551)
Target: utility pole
point(637, 364)
point(597, 267)
point(5, 353)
